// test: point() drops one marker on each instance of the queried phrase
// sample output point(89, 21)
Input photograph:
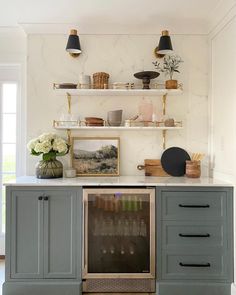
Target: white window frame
point(14, 73)
point(20, 112)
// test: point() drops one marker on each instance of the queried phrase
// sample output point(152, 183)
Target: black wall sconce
point(165, 46)
point(73, 44)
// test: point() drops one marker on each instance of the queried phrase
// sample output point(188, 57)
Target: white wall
point(120, 56)
point(223, 103)
point(13, 45)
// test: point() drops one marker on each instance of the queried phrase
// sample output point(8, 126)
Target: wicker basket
point(100, 80)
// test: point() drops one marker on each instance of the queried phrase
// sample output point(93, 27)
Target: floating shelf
point(118, 92)
point(120, 128)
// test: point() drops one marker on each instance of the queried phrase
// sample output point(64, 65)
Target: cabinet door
point(59, 234)
point(26, 233)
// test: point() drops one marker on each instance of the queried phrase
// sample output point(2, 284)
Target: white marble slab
point(120, 56)
point(118, 181)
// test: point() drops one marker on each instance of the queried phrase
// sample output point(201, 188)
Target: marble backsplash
point(120, 56)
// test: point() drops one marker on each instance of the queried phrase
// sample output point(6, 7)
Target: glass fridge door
point(119, 233)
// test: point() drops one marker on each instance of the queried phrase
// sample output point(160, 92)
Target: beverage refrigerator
point(119, 240)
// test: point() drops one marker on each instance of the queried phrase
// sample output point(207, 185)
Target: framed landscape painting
point(96, 156)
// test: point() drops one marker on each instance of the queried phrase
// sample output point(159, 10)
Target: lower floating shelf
point(164, 129)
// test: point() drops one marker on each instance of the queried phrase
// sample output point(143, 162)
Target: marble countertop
point(118, 181)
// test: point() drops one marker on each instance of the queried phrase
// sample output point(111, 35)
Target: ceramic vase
point(84, 81)
point(114, 118)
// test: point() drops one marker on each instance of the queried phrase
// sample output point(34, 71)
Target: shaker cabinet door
point(26, 234)
point(59, 234)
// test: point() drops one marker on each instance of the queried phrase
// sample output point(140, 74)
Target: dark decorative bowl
point(65, 86)
point(146, 76)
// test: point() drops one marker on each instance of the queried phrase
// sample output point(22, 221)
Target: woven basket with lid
point(100, 80)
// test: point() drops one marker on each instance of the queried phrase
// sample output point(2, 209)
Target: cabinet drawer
point(210, 266)
point(193, 205)
point(178, 234)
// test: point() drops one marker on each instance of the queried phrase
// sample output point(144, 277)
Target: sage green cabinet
point(194, 240)
point(43, 234)
point(43, 241)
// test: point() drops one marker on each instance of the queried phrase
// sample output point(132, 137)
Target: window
point(8, 140)
point(12, 140)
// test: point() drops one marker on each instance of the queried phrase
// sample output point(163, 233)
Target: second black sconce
point(165, 46)
point(73, 44)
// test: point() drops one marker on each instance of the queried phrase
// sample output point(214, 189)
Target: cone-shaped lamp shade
point(165, 46)
point(73, 44)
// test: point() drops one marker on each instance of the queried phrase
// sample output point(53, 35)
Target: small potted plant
point(50, 146)
point(170, 65)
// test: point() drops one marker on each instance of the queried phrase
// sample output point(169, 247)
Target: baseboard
point(233, 289)
point(193, 288)
point(42, 288)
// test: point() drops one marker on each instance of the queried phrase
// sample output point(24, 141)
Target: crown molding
point(47, 28)
point(187, 27)
point(220, 16)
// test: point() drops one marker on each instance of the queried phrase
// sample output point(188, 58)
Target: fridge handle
point(85, 233)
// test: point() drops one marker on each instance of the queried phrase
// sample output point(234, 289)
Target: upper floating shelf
point(116, 128)
point(118, 92)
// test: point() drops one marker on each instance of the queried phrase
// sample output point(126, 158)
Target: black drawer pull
point(194, 235)
point(194, 206)
point(45, 198)
point(40, 198)
point(195, 264)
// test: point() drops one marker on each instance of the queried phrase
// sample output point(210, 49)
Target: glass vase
point(51, 168)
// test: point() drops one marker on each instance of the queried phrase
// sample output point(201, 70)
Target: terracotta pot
point(171, 84)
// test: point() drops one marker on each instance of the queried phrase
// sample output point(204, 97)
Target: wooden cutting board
point(153, 167)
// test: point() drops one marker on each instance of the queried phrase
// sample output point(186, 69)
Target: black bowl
point(146, 76)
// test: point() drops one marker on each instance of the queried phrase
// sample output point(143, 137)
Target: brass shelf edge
point(78, 123)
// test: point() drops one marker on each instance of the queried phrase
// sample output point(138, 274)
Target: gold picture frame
point(96, 156)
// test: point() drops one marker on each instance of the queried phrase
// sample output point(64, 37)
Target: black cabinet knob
point(45, 198)
point(40, 198)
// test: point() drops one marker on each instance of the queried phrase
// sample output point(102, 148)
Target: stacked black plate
point(173, 161)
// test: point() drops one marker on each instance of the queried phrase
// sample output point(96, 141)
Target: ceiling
point(110, 16)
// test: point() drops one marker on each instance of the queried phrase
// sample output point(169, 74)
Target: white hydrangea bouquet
point(50, 146)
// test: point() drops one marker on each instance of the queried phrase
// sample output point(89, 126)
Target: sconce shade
point(73, 44)
point(165, 46)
